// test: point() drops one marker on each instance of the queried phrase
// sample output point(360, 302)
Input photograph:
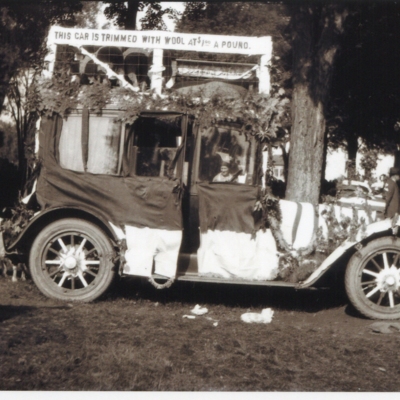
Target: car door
point(154, 166)
point(225, 188)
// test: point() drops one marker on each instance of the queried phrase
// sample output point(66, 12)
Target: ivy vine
point(260, 115)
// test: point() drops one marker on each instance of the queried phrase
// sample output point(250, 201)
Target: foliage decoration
point(259, 115)
point(95, 96)
point(293, 267)
point(340, 230)
point(12, 227)
point(59, 94)
point(272, 219)
point(297, 265)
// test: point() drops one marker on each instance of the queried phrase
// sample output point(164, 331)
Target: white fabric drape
point(70, 146)
point(145, 245)
point(104, 140)
point(229, 254)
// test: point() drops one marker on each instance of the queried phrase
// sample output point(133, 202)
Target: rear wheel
point(372, 279)
point(71, 260)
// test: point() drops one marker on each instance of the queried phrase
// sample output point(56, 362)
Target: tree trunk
point(324, 155)
point(306, 148)
point(131, 15)
point(285, 158)
point(397, 159)
point(2, 98)
point(352, 148)
point(316, 30)
point(5, 78)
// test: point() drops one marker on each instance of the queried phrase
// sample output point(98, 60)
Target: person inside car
point(224, 174)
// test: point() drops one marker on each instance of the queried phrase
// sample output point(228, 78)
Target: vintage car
point(143, 200)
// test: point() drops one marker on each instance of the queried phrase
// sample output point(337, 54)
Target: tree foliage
point(239, 19)
point(22, 100)
point(23, 30)
point(8, 143)
point(366, 86)
point(153, 19)
point(87, 17)
point(124, 14)
point(232, 18)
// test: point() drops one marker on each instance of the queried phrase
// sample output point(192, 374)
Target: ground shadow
point(8, 312)
point(231, 295)
point(352, 312)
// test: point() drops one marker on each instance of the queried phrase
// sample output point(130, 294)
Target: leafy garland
point(294, 266)
point(10, 228)
point(260, 115)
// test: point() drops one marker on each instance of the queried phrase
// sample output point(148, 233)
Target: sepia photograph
point(199, 197)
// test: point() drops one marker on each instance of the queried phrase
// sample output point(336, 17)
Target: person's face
point(224, 170)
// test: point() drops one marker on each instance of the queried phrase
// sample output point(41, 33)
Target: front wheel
point(372, 279)
point(71, 260)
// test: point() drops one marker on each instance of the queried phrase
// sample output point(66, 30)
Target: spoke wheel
point(373, 279)
point(71, 260)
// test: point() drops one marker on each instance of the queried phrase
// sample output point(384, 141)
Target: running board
point(193, 277)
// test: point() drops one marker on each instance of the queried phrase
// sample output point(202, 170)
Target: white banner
point(161, 40)
point(228, 73)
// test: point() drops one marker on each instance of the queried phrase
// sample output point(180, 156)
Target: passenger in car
point(224, 174)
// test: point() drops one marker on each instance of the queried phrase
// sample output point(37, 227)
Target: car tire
point(372, 279)
point(72, 260)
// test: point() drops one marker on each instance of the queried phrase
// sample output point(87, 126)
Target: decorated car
point(141, 200)
point(136, 186)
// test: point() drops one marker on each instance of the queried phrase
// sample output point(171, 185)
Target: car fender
point(52, 214)
point(371, 229)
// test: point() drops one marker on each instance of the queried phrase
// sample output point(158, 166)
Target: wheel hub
point(389, 279)
point(73, 261)
point(70, 263)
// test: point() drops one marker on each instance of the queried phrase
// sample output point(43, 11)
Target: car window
point(156, 144)
point(99, 152)
point(226, 150)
